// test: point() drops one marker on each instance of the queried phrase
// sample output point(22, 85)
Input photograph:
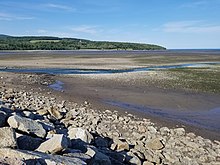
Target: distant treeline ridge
point(56, 43)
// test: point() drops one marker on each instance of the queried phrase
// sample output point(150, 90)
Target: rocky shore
point(35, 129)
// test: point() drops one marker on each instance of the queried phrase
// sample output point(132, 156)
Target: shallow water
point(208, 119)
point(58, 86)
point(104, 71)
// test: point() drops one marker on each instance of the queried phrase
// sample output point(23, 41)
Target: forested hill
point(56, 43)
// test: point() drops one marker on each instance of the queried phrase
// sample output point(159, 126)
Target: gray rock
point(3, 117)
point(147, 163)
point(72, 114)
point(132, 159)
point(179, 131)
point(26, 142)
point(26, 125)
point(47, 158)
point(155, 144)
point(80, 133)
point(101, 142)
point(152, 129)
point(55, 113)
point(81, 156)
point(100, 159)
point(91, 151)
point(57, 143)
point(120, 145)
point(29, 114)
point(11, 161)
point(7, 138)
point(164, 131)
point(46, 125)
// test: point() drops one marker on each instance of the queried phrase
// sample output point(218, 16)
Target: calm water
point(113, 52)
point(103, 71)
point(207, 119)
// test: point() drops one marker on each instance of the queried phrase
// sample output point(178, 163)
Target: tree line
point(55, 43)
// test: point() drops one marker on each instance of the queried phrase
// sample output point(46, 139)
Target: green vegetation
point(200, 79)
point(191, 79)
point(55, 43)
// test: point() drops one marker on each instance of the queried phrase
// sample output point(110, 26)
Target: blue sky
point(171, 23)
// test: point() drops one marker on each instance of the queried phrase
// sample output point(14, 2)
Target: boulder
point(26, 125)
point(152, 129)
point(147, 163)
point(132, 159)
point(11, 161)
point(101, 142)
point(120, 145)
point(164, 131)
point(3, 117)
point(7, 138)
point(179, 131)
point(47, 158)
point(155, 144)
point(55, 113)
point(57, 143)
point(80, 133)
point(26, 142)
point(100, 159)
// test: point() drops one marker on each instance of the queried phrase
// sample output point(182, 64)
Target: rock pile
point(35, 129)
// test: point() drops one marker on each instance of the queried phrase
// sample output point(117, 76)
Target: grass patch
point(198, 79)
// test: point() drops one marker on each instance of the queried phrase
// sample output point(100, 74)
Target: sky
point(174, 24)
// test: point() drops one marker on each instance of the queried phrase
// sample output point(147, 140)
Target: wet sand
point(147, 102)
point(129, 90)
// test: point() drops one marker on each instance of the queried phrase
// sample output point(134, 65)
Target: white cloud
point(190, 27)
point(11, 17)
point(85, 29)
point(59, 7)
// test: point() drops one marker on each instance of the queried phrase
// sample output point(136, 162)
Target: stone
point(133, 159)
point(26, 142)
point(11, 161)
point(91, 151)
point(29, 114)
point(47, 158)
point(152, 156)
point(7, 138)
point(155, 144)
point(179, 131)
point(152, 129)
point(26, 125)
point(55, 113)
point(101, 142)
point(141, 129)
point(81, 156)
point(164, 131)
point(3, 117)
point(147, 163)
point(120, 145)
point(100, 159)
point(72, 114)
point(80, 133)
point(56, 144)
point(42, 112)
point(47, 125)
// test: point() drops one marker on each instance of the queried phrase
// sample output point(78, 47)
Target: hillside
point(56, 43)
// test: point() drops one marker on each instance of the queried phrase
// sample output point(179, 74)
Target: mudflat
point(176, 96)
